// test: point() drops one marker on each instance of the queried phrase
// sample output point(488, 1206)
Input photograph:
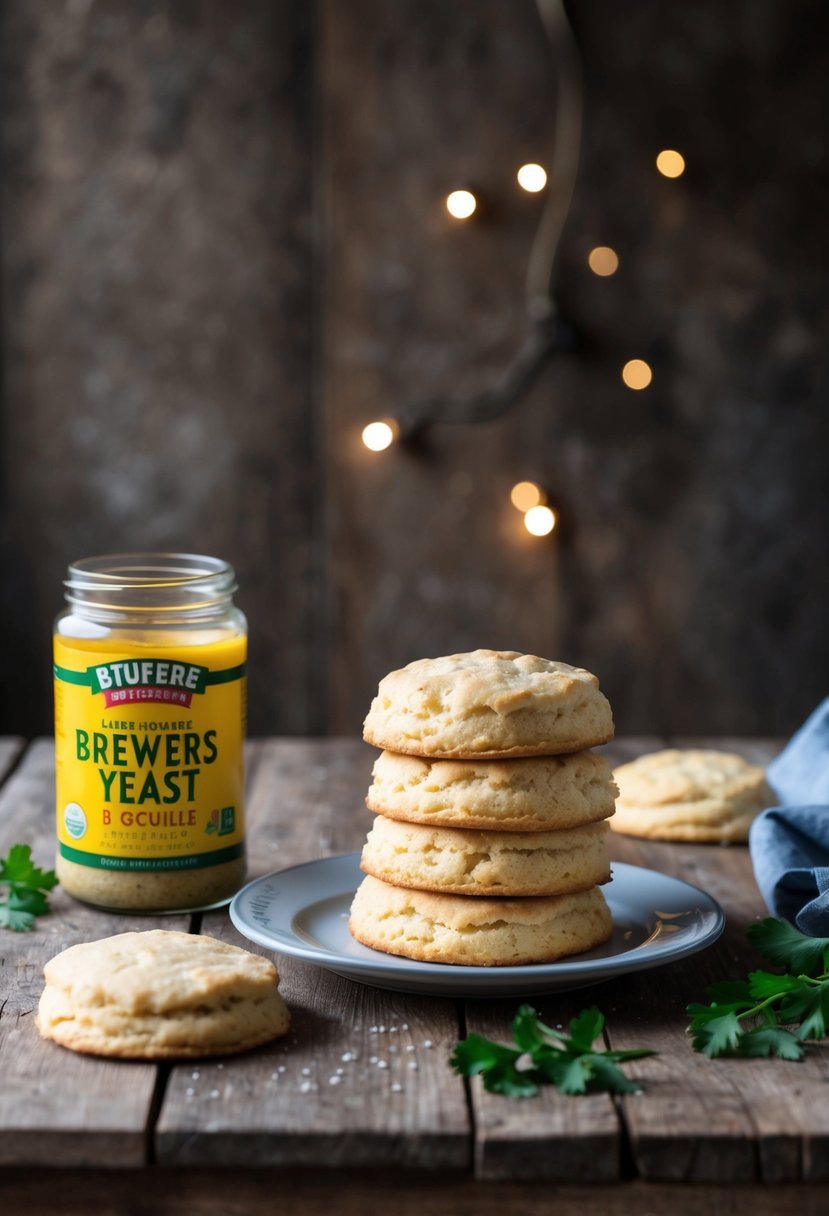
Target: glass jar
point(150, 707)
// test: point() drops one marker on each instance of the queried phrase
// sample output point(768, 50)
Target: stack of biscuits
point(489, 844)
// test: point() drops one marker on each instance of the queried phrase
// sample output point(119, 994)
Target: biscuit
point(691, 795)
point(477, 932)
point(488, 704)
point(540, 794)
point(461, 861)
point(160, 995)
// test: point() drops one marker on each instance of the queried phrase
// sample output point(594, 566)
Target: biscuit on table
point(690, 795)
point(488, 704)
point(462, 861)
point(160, 995)
point(477, 932)
point(539, 794)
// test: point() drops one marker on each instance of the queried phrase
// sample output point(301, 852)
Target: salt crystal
point(372, 1059)
point(413, 1065)
point(428, 1043)
point(190, 1093)
point(382, 1064)
point(196, 1076)
point(334, 1080)
point(392, 1047)
point(281, 1068)
point(372, 1030)
point(397, 1087)
point(306, 1072)
point(392, 1030)
point(340, 1072)
point(410, 1047)
point(214, 1093)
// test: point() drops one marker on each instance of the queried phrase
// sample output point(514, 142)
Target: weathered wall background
point(223, 251)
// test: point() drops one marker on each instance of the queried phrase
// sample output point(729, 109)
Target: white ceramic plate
point(303, 911)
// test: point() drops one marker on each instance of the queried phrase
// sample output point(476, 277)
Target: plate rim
point(638, 958)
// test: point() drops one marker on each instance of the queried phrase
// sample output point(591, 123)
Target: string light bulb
point(637, 374)
point(532, 178)
point(603, 261)
point(670, 163)
point(461, 204)
point(540, 520)
point(378, 436)
point(526, 494)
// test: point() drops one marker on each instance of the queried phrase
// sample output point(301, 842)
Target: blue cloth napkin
point(790, 843)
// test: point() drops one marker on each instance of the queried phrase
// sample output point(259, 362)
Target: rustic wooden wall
point(223, 251)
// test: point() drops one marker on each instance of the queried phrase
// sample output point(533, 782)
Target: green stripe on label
point(72, 677)
point(227, 676)
point(85, 678)
point(193, 861)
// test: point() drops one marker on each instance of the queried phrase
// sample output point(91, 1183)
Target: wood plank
point(157, 273)
point(718, 1120)
point(222, 1192)
point(446, 565)
point(58, 1108)
point(551, 1136)
point(278, 1106)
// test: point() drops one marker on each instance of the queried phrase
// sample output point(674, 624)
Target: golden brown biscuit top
point(501, 680)
point(157, 971)
point(677, 775)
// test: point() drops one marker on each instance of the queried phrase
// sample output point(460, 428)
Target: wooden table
point(268, 1132)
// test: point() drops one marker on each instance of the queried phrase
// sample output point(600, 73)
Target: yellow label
point(149, 752)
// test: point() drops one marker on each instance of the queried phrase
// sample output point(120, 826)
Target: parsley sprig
point(752, 1017)
point(26, 886)
point(545, 1056)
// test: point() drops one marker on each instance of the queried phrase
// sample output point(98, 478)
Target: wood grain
point(157, 324)
point(58, 1108)
point(224, 1192)
point(700, 1124)
point(714, 1120)
point(551, 1136)
point(322, 1097)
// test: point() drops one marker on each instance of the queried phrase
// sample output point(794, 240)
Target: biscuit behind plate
point(477, 932)
point(691, 795)
point(158, 995)
point(488, 704)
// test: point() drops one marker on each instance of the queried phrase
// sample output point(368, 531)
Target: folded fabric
point(790, 843)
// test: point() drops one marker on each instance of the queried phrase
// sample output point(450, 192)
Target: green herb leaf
point(543, 1055)
point(25, 897)
point(768, 1014)
point(770, 1041)
point(787, 946)
point(718, 1034)
point(586, 1028)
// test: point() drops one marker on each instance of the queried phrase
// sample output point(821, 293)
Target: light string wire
point(550, 334)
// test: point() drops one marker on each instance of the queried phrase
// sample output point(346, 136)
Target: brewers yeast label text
point(149, 756)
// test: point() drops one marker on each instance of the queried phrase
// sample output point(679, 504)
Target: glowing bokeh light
point(637, 373)
point(378, 436)
point(540, 520)
point(532, 178)
point(461, 204)
point(603, 261)
point(670, 163)
point(525, 494)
